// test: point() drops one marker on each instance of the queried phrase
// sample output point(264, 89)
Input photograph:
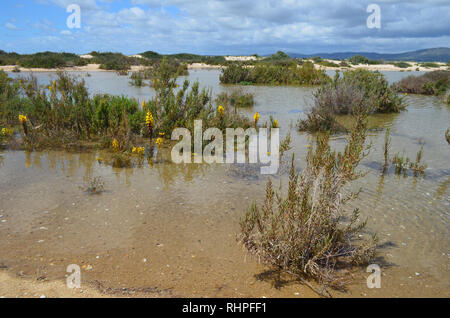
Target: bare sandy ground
point(96, 68)
point(12, 287)
point(385, 67)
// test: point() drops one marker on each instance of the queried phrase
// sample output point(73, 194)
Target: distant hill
point(440, 54)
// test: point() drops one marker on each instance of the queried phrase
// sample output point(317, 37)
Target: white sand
point(240, 58)
point(384, 67)
point(95, 67)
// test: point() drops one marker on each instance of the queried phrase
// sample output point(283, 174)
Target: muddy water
point(170, 230)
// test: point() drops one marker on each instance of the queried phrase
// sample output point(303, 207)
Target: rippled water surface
point(173, 227)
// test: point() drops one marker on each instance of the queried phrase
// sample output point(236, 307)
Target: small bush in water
point(236, 99)
point(356, 91)
point(430, 83)
point(304, 232)
point(274, 74)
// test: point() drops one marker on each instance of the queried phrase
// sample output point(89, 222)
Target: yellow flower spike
point(134, 150)
point(275, 124)
point(7, 132)
point(149, 119)
point(256, 118)
point(115, 144)
point(143, 104)
point(23, 119)
point(54, 83)
point(220, 110)
point(159, 141)
point(161, 134)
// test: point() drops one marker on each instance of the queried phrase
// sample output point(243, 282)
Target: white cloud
point(11, 26)
point(254, 26)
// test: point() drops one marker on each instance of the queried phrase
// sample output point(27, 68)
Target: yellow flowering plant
point(220, 110)
point(138, 150)
point(275, 123)
point(7, 132)
point(115, 144)
point(23, 119)
point(149, 119)
point(256, 118)
point(150, 122)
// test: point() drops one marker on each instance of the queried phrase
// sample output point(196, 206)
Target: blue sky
point(223, 26)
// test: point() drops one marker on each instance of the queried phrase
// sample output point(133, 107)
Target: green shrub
point(185, 58)
point(358, 59)
point(41, 60)
point(429, 65)
point(137, 78)
point(328, 63)
point(402, 64)
point(270, 74)
point(172, 109)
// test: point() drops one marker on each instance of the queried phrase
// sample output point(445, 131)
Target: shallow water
point(173, 228)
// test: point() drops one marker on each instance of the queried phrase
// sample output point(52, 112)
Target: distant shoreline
point(96, 68)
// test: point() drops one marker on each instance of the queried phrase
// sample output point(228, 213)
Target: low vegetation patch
point(62, 113)
point(274, 74)
point(429, 65)
point(41, 60)
point(184, 58)
point(235, 99)
point(402, 163)
point(359, 59)
point(95, 185)
point(402, 64)
point(174, 68)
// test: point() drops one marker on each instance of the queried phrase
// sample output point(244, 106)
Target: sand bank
point(96, 68)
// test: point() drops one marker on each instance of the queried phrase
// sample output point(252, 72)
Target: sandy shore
point(96, 68)
point(385, 67)
point(13, 287)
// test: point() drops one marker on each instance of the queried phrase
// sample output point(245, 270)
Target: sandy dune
point(96, 67)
